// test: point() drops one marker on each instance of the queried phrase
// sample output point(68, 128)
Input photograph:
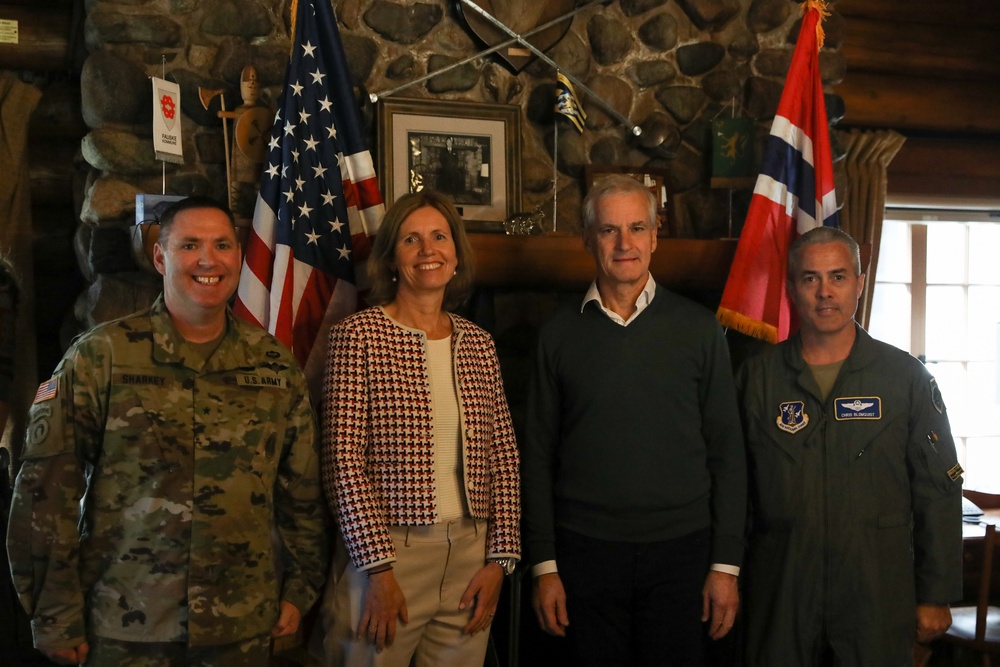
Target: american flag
point(794, 193)
point(319, 203)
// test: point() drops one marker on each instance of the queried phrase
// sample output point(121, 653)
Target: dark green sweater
point(633, 433)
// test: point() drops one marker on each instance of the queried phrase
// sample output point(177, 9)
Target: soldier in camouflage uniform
point(188, 435)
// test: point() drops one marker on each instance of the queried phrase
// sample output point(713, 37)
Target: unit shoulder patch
point(936, 399)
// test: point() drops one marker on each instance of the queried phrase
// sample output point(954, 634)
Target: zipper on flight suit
point(825, 606)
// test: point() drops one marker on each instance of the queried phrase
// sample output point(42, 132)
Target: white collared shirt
point(645, 298)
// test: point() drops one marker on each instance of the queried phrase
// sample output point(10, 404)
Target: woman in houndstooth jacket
point(419, 457)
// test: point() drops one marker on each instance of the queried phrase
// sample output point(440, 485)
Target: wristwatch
point(508, 564)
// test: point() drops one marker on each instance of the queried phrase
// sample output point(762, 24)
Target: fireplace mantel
point(560, 261)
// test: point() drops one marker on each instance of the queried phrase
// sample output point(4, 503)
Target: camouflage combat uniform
point(184, 466)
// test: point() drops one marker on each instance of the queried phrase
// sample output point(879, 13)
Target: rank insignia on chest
point(858, 407)
point(792, 416)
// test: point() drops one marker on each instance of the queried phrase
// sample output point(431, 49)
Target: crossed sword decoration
point(523, 41)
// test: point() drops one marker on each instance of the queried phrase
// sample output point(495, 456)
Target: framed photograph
point(657, 180)
point(467, 150)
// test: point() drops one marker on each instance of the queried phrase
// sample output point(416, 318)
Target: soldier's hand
point(288, 620)
point(68, 656)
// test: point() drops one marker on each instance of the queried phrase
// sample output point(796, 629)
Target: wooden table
point(972, 555)
point(975, 532)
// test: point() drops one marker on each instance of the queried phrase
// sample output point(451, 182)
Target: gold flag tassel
point(820, 6)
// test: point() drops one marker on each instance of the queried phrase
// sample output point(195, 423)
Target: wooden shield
point(521, 16)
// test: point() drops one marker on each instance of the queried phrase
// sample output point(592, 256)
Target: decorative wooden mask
point(521, 16)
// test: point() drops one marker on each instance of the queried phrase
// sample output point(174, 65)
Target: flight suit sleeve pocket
point(941, 462)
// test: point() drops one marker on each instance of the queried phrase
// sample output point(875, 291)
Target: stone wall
point(669, 65)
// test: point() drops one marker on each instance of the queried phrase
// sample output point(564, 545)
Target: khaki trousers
point(434, 565)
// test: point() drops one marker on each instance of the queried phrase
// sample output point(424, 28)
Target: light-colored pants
point(434, 565)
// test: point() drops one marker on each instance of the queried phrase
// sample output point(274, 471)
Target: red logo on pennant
point(168, 107)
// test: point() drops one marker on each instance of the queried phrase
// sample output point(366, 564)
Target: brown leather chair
point(978, 628)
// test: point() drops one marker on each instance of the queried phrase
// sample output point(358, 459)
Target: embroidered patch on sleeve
point(936, 399)
point(47, 390)
point(955, 472)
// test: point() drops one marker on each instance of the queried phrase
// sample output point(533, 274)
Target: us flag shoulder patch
point(47, 390)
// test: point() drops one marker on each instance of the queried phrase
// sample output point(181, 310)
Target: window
point(937, 295)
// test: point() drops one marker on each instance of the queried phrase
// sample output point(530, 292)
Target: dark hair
point(816, 236)
point(616, 184)
point(186, 204)
point(380, 272)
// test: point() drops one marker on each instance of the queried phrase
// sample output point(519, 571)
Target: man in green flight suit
point(856, 523)
point(161, 455)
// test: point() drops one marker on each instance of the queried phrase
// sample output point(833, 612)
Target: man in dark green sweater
point(633, 469)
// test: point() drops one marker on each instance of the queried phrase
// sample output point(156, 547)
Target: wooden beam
point(982, 13)
point(560, 261)
point(920, 103)
point(947, 167)
point(51, 170)
point(43, 39)
point(948, 52)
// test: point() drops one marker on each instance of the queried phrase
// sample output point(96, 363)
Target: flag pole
point(555, 172)
point(569, 106)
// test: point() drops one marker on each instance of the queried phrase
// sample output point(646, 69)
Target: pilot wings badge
point(792, 416)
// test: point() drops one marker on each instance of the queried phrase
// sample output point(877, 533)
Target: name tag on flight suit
point(858, 407)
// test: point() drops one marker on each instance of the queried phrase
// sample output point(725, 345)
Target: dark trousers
point(633, 604)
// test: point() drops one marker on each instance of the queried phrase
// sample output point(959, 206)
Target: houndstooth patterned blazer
point(378, 444)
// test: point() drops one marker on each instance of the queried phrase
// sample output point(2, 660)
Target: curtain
point(17, 101)
point(868, 154)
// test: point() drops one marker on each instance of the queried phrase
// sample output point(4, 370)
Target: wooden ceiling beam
point(902, 15)
point(920, 103)
point(43, 38)
point(947, 167)
point(873, 45)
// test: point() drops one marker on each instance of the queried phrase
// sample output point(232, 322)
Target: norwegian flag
point(794, 193)
point(319, 204)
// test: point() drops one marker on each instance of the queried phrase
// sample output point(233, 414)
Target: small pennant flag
point(167, 142)
point(567, 103)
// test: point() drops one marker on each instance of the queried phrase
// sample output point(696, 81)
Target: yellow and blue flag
point(567, 103)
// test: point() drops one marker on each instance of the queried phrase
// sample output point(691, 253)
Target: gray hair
point(616, 184)
point(817, 236)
